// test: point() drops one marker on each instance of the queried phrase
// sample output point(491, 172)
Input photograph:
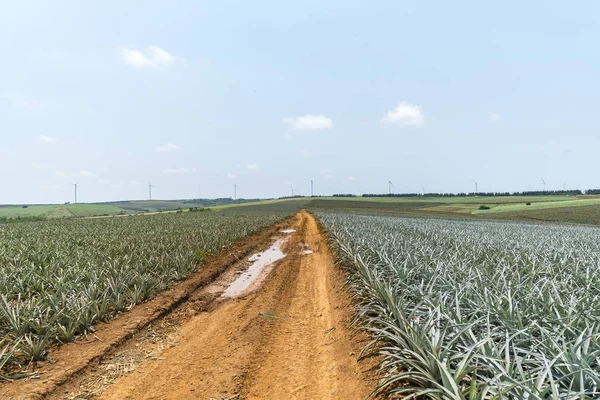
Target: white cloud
point(309, 122)
point(40, 165)
point(48, 139)
point(134, 182)
point(104, 181)
point(116, 186)
point(177, 171)
point(494, 117)
point(152, 57)
point(351, 178)
point(327, 173)
point(405, 114)
point(168, 147)
point(86, 174)
point(60, 174)
point(231, 176)
point(253, 167)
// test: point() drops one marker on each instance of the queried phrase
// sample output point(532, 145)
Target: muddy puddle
point(262, 263)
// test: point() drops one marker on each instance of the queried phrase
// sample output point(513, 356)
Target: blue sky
point(197, 95)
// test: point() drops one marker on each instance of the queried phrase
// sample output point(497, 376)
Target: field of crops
point(58, 278)
point(463, 309)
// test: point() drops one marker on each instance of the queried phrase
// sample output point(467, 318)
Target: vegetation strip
point(475, 309)
point(74, 359)
point(59, 278)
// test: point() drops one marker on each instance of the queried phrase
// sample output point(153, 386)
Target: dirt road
point(287, 339)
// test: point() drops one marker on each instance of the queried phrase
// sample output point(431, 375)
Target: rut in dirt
point(287, 340)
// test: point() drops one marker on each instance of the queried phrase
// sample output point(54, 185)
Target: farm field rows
point(465, 309)
point(499, 207)
point(197, 340)
point(53, 211)
point(458, 308)
point(60, 277)
point(458, 199)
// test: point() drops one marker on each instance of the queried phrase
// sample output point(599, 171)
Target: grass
point(457, 200)
point(467, 206)
point(364, 205)
point(49, 211)
point(544, 208)
point(539, 205)
point(586, 214)
point(454, 208)
point(54, 211)
point(286, 205)
point(59, 211)
point(154, 205)
point(90, 210)
point(566, 209)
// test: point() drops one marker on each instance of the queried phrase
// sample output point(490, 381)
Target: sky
point(196, 96)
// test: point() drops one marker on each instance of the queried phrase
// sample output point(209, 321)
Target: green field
point(542, 208)
point(457, 199)
point(59, 211)
point(52, 211)
point(567, 209)
point(538, 205)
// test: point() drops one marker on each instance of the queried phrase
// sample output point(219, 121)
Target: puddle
point(260, 262)
point(255, 257)
point(288, 230)
point(307, 252)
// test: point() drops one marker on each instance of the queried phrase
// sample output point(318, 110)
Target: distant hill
point(50, 211)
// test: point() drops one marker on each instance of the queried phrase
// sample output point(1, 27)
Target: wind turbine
point(150, 186)
point(312, 186)
point(423, 187)
point(476, 187)
point(544, 183)
point(235, 187)
point(75, 187)
point(390, 186)
point(292, 190)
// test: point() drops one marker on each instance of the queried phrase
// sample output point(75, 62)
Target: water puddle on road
point(260, 263)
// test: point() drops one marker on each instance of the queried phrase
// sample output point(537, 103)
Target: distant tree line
point(292, 197)
point(220, 201)
point(305, 197)
point(344, 195)
point(487, 194)
point(20, 218)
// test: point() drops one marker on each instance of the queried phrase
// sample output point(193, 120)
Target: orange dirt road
point(286, 340)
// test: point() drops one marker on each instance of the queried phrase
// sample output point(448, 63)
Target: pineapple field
point(60, 277)
point(463, 309)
